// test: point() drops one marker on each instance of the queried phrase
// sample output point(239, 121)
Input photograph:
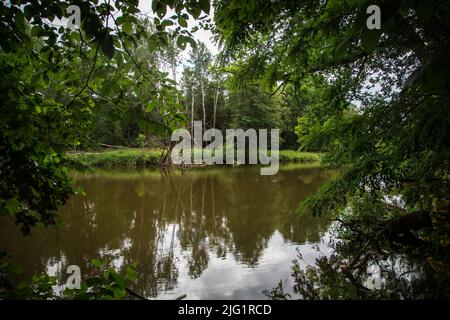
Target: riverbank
point(141, 158)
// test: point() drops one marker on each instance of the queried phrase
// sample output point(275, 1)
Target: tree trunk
point(203, 106)
point(192, 116)
point(174, 75)
point(216, 98)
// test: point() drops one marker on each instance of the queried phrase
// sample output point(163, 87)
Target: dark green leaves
point(19, 22)
point(159, 7)
point(167, 23)
point(13, 206)
point(108, 46)
point(181, 42)
point(96, 263)
point(151, 126)
point(182, 22)
point(130, 275)
point(369, 39)
point(195, 11)
point(205, 6)
point(341, 48)
point(424, 10)
point(127, 27)
point(192, 42)
point(34, 181)
point(436, 73)
point(36, 31)
point(150, 106)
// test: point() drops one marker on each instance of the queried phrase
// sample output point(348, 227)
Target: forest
point(361, 100)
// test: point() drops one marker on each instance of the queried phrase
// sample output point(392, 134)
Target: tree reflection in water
point(173, 224)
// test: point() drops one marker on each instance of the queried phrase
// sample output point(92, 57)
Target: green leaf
point(181, 42)
point(182, 22)
point(191, 41)
point(434, 74)
point(155, 4)
point(369, 39)
point(14, 268)
point(28, 11)
point(108, 46)
point(195, 11)
point(150, 106)
point(424, 10)
point(96, 263)
point(19, 22)
point(119, 293)
point(153, 42)
point(142, 123)
point(46, 78)
point(13, 206)
point(127, 27)
point(75, 36)
point(131, 274)
point(341, 48)
point(166, 23)
point(164, 38)
point(161, 10)
point(120, 20)
point(205, 6)
point(36, 30)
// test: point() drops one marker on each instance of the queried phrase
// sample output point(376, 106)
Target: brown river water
point(218, 233)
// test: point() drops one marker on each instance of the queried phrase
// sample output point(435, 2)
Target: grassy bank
point(141, 158)
point(293, 156)
point(118, 158)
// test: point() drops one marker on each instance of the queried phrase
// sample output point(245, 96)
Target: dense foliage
point(57, 80)
point(54, 78)
point(383, 114)
point(375, 100)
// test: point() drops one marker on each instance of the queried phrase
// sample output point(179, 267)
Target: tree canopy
point(55, 77)
point(375, 100)
point(382, 114)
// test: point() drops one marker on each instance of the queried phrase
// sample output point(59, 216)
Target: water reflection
point(209, 233)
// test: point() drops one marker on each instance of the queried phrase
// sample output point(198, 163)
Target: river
point(218, 233)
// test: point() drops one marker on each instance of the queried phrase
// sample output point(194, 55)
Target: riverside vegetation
point(141, 158)
point(374, 102)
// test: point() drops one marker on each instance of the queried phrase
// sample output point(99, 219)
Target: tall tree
point(36, 55)
point(385, 117)
point(196, 75)
point(251, 108)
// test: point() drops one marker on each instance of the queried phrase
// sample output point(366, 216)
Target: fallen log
point(134, 293)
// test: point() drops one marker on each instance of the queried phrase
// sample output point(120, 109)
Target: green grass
point(118, 158)
point(141, 158)
point(299, 156)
